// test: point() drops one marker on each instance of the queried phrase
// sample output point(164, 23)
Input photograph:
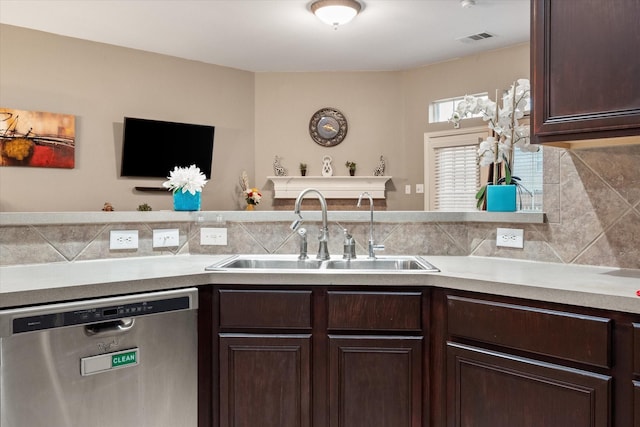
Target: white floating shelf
point(332, 187)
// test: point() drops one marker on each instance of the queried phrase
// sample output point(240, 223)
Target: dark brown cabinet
point(510, 386)
point(585, 67)
point(374, 356)
point(265, 380)
point(506, 362)
point(313, 357)
point(492, 389)
point(375, 380)
point(264, 368)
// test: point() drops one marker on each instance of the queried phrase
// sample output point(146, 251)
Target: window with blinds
point(456, 178)
point(452, 176)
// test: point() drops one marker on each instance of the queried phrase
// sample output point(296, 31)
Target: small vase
point(250, 207)
point(352, 172)
point(501, 198)
point(303, 172)
point(327, 169)
point(186, 201)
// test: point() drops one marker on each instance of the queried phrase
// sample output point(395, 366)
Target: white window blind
point(453, 176)
point(456, 177)
point(528, 167)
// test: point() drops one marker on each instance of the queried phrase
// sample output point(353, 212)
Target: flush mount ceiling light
point(467, 3)
point(335, 12)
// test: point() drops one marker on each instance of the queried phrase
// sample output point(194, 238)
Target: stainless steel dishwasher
point(107, 362)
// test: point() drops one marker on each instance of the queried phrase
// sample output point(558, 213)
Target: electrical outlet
point(163, 238)
point(213, 236)
point(510, 237)
point(419, 188)
point(123, 239)
point(407, 189)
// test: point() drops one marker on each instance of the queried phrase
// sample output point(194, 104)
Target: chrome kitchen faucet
point(323, 238)
point(372, 245)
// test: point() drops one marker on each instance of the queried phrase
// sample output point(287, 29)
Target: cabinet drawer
point(265, 309)
point(574, 337)
point(636, 348)
point(388, 311)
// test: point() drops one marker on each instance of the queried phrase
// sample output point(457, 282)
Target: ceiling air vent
point(476, 37)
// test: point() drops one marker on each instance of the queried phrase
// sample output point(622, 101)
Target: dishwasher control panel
point(96, 314)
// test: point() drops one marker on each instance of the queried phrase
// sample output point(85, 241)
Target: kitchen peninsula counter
point(596, 287)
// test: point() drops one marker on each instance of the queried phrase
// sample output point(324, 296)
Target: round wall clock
point(328, 127)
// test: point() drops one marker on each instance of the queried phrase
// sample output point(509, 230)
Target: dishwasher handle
point(121, 325)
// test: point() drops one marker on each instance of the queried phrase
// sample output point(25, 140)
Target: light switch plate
point(407, 189)
point(166, 237)
point(123, 239)
point(510, 237)
point(419, 188)
point(213, 236)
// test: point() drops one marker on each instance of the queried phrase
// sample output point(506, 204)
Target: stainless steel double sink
point(413, 264)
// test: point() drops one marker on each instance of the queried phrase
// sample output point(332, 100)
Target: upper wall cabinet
point(585, 68)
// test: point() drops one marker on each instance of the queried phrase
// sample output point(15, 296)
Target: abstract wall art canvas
point(36, 139)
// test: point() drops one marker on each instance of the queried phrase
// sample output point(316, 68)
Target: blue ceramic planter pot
point(501, 198)
point(186, 201)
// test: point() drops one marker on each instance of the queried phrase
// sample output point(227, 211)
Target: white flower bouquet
point(186, 179)
point(251, 194)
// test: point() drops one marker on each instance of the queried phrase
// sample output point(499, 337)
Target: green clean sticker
point(124, 359)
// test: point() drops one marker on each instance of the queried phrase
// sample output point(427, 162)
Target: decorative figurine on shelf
point(327, 169)
point(144, 208)
point(379, 170)
point(107, 207)
point(303, 169)
point(278, 169)
point(351, 166)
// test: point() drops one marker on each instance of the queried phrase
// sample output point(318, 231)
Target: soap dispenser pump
point(349, 246)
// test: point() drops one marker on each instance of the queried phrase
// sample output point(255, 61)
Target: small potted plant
point(303, 169)
point(351, 166)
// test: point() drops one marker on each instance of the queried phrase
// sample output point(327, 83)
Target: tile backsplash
point(591, 199)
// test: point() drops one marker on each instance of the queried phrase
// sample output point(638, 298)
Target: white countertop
point(597, 287)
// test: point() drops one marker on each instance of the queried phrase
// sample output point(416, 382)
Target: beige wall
point(387, 112)
point(257, 116)
point(371, 103)
point(100, 84)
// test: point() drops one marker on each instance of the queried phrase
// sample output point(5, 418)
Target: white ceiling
point(282, 35)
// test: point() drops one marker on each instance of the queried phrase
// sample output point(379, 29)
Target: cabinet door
point(490, 389)
point(265, 380)
point(375, 381)
point(585, 67)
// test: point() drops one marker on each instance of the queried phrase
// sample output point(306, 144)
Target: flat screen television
point(152, 148)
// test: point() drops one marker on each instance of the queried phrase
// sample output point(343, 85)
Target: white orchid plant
point(186, 179)
point(506, 131)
